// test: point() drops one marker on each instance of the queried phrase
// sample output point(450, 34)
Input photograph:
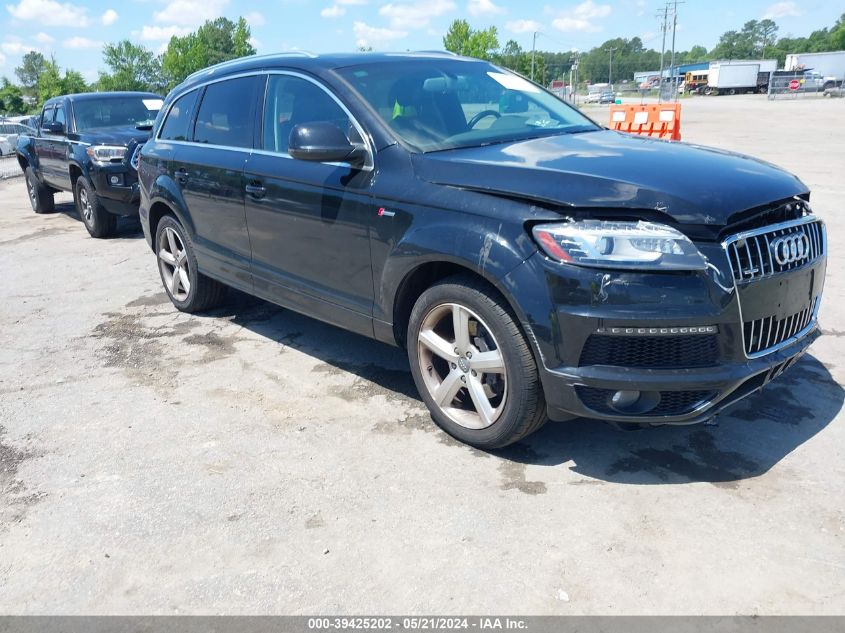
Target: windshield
point(138, 112)
point(444, 104)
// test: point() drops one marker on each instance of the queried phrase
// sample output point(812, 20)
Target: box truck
point(831, 66)
point(739, 76)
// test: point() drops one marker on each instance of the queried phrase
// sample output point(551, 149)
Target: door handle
point(256, 190)
point(181, 176)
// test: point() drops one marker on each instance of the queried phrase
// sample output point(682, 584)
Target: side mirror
point(323, 142)
point(53, 128)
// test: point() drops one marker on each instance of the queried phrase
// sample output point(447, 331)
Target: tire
point(97, 220)
point(452, 384)
point(177, 263)
point(40, 197)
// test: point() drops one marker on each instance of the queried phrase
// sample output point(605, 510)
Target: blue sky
point(75, 31)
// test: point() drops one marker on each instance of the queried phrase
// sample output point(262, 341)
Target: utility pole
point(674, 28)
point(663, 28)
point(533, 52)
point(610, 67)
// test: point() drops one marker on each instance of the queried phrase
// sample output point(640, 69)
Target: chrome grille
point(763, 334)
point(775, 249)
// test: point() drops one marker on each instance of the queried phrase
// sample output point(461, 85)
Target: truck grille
point(655, 352)
point(760, 335)
point(772, 250)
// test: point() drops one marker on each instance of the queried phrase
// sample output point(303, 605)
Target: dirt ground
point(253, 460)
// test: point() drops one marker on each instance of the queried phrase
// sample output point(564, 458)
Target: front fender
point(488, 247)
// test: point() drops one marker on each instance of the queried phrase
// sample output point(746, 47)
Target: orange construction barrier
point(661, 120)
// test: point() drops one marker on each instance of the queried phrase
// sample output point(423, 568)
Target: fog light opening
point(633, 401)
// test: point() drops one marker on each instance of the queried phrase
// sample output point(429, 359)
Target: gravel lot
point(255, 461)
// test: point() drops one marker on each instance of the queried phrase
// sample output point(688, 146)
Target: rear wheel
point(473, 366)
point(40, 197)
point(97, 220)
point(189, 290)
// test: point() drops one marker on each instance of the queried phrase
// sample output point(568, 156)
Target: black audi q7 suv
point(534, 264)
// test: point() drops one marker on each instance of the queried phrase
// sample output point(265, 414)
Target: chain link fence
point(794, 85)
point(9, 167)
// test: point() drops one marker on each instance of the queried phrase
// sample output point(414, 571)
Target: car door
point(55, 161)
point(41, 143)
point(309, 222)
point(210, 172)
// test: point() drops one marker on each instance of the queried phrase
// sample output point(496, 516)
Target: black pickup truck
point(87, 144)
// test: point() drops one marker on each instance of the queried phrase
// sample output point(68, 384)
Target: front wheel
point(97, 220)
point(189, 290)
point(473, 366)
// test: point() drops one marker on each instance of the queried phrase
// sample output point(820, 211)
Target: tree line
point(757, 39)
point(134, 67)
point(130, 66)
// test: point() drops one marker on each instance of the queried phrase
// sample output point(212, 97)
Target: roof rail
point(439, 53)
point(230, 62)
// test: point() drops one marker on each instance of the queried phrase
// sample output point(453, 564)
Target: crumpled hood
point(115, 136)
point(605, 169)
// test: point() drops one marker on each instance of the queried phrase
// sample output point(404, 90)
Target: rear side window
point(226, 115)
point(177, 125)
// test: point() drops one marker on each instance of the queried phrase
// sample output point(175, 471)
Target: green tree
point(11, 98)
point(52, 83)
point(464, 40)
point(767, 32)
point(132, 67)
point(33, 65)
point(214, 42)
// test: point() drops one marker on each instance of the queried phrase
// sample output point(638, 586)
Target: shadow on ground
point(747, 440)
point(126, 227)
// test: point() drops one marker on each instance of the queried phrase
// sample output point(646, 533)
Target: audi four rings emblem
point(789, 249)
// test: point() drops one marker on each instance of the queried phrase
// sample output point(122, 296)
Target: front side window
point(291, 101)
point(435, 105)
point(176, 126)
point(47, 115)
point(226, 113)
point(138, 112)
point(60, 116)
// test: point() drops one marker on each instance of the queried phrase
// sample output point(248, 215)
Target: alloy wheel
point(85, 204)
point(173, 264)
point(462, 366)
point(33, 195)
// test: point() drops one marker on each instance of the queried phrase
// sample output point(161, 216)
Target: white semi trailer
point(831, 66)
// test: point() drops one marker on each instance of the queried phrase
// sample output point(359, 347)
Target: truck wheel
point(99, 222)
point(472, 365)
point(189, 290)
point(732, 91)
point(40, 197)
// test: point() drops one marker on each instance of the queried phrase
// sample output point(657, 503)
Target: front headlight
point(609, 244)
point(106, 153)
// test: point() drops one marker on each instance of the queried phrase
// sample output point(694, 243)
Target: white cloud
point(43, 38)
point(483, 7)
point(581, 17)
point(415, 15)
point(190, 12)
point(523, 26)
point(158, 33)
point(109, 17)
point(2, 59)
point(782, 10)
point(255, 18)
point(366, 35)
point(15, 48)
point(49, 12)
point(334, 11)
point(81, 43)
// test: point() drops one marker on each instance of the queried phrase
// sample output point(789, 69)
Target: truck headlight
point(106, 153)
point(610, 244)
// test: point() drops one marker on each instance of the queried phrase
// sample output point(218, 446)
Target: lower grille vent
point(653, 352)
point(671, 402)
point(760, 335)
